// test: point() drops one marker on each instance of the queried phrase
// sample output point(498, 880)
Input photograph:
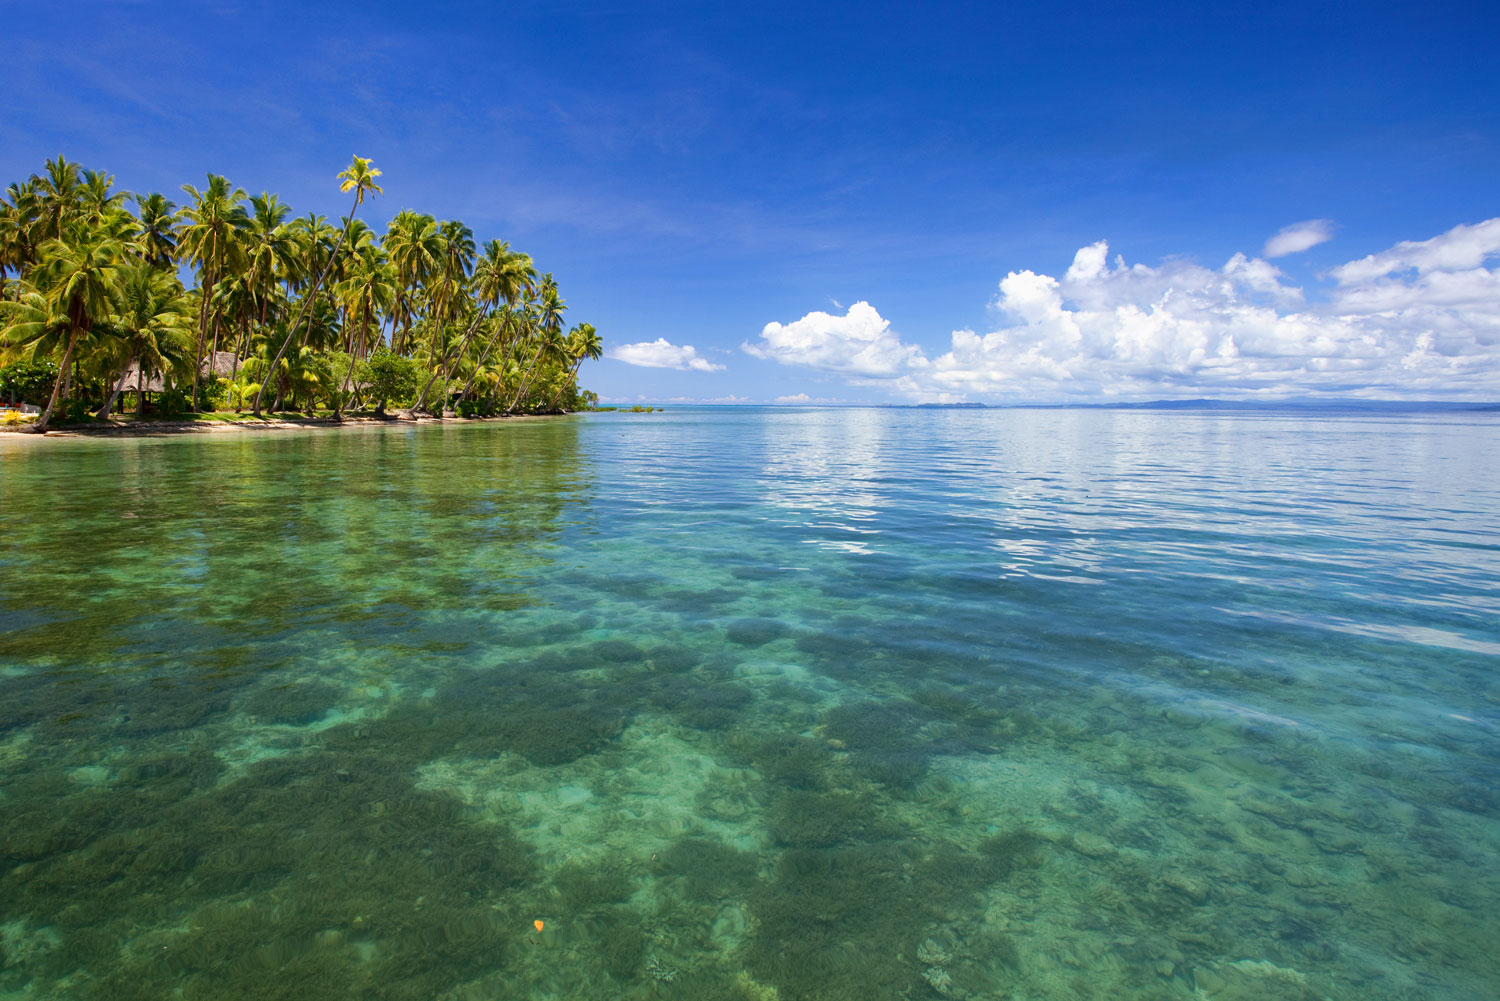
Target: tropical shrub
point(27, 382)
point(392, 379)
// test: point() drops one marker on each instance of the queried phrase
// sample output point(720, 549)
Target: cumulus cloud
point(1420, 320)
point(1299, 236)
point(661, 353)
point(859, 343)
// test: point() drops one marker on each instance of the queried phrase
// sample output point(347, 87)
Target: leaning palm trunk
point(103, 413)
point(202, 332)
point(526, 379)
point(571, 380)
point(364, 336)
point(40, 427)
point(307, 303)
point(447, 367)
point(480, 363)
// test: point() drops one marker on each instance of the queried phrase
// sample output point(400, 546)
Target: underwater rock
point(1092, 845)
point(1253, 980)
point(1187, 886)
point(755, 632)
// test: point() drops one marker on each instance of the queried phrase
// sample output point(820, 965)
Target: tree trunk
point(234, 368)
point(483, 358)
point(310, 299)
point(526, 380)
point(570, 380)
point(463, 346)
point(213, 354)
point(204, 293)
point(103, 413)
point(364, 336)
point(40, 427)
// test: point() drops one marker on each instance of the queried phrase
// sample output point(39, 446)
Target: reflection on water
point(754, 704)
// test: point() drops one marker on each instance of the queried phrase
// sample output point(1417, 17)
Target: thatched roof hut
point(220, 364)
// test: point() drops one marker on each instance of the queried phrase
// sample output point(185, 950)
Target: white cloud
point(660, 353)
point(802, 399)
point(859, 343)
point(1299, 236)
point(1462, 248)
point(1421, 320)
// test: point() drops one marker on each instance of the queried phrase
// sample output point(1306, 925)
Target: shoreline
point(149, 429)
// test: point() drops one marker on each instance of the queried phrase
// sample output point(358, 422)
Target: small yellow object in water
point(540, 924)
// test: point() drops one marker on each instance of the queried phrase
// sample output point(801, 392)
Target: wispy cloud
point(661, 353)
point(1299, 236)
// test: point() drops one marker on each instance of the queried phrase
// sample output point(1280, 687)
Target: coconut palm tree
point(211, 238)
point(18, 212)
point(415, 245)
point(156, 232)
point(59, 194)
point(358, 177)
point(76, 278)
point(501, 275)
point(98, 201)
point(548, 319)
point(367, 292)
point(30, 328)
point(583, 343)
point(152, 323)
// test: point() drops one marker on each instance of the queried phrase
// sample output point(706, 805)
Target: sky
point(865, 203)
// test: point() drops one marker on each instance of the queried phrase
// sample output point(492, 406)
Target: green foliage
point(213, 394)
point(391, 378)
point(27, 382)
point(171, 403)
point(477, 408)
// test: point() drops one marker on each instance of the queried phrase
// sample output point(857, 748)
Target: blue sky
point(915, 194)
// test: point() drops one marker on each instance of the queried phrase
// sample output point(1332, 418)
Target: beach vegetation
point(278, 312)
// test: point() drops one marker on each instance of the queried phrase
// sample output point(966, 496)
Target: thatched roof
point(221, 363)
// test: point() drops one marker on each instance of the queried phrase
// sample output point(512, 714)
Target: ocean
point(756, 703)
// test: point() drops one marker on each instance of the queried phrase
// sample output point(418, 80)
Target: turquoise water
point(753, 704)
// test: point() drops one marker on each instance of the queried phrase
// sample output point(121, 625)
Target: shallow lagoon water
point(756, 703)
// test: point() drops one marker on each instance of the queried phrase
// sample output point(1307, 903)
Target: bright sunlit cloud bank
point(1420, 320)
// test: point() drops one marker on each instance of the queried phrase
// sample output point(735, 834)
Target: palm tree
point(30, 328)
point(550, 308)
point(583, 342)
point(156, 229)
point(153, 318)
point(358, 177)
point(59, 194)
point(368, 291)
point(415, 245)
point(17, 222)
point(500, 275)
point(211, 239)
point(77, 279)
point(97, 198)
